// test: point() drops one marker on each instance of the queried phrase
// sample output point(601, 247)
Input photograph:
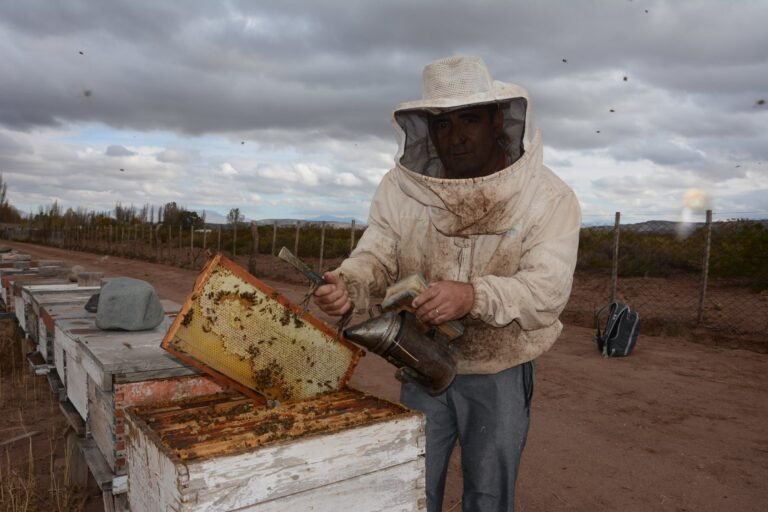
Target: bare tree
point(234, 216)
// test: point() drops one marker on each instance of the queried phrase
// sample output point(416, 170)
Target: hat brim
point(500, 92)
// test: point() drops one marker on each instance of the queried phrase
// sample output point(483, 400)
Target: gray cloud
point(9, 146)
point(177, 156)
point(118, 150)
point(304, 76)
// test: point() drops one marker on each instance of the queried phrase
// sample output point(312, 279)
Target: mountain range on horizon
point(659, 226)
point(213, 217)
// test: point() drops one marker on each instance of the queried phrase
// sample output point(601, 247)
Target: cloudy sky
point(283, 109)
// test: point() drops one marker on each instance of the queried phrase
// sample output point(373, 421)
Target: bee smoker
point(399, 338)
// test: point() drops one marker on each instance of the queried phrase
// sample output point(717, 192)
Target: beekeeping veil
point(467, 206)
point(450, 84)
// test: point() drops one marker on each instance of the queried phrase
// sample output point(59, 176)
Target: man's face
point(466, 141)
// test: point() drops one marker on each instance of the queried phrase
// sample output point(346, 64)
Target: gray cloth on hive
point(128, 304)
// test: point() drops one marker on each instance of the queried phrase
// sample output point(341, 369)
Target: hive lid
point(246, 335)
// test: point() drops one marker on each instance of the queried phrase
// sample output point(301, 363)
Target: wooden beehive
point(97, 374)
point(244, 333)
point(339, 451)
point(7, 278)
point(16, 284)
point(108, 357)
point(104, 372)
point(39, 296)
point(316, 445)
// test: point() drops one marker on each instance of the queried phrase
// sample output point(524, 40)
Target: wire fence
point(708, 280)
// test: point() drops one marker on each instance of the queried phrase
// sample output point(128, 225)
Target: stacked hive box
point(98, 374)
point(107, 371)
point(299, 440)
point(36, 298)
point(340, 451)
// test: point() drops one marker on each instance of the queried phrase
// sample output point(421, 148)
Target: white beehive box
point(295, 439)
point(36, 298)
point(340, 451)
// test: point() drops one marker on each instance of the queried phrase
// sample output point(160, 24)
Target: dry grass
point(34, 471)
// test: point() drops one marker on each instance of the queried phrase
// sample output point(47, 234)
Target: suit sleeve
point(372, 266)
point(537, 294)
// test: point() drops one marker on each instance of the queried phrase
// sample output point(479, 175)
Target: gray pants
point(489, 414)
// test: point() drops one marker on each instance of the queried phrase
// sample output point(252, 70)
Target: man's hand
point(444, 301)
point(332, 298)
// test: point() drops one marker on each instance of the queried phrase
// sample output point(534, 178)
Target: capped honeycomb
point(248, 336)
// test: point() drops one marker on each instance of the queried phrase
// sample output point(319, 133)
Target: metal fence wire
point(708, 280)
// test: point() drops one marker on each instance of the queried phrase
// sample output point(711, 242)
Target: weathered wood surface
point(51, 316)
point(11, 290)
point(106, 357)
point(86, 359)
point(76, 382)
point(118, 355)
point(101, 423)
point(374, 465)
point(106, 411)
point(63, 286)
point(100, 471)
point(396, 489)
point(40, 296)
point(273, 472)
point(6, 282)
point(21, 312)
point(37, 298)
point(19, 290)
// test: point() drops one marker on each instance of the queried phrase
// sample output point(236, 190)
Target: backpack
point(621, 326)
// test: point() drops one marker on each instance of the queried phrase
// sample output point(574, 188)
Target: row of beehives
point(157, 435)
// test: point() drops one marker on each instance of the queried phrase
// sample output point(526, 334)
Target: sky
point(284, 109)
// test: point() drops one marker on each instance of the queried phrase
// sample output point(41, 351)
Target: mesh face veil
point(454, 83)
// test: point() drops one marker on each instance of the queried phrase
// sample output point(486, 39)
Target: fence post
point(322, 245)
point(205, 237)
point(254, 248)
point(109, 240)
point(274, 240)
point(157, 242)
point(218, 243)
point(705, 268)
point(296, 243)
point(234, 239)
point(615, 265)
point(352, 237)
point(170, 244)
point(191, 243)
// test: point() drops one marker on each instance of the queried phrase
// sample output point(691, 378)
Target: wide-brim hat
point(460, 81)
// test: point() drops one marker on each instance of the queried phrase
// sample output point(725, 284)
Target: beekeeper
point(470, 205)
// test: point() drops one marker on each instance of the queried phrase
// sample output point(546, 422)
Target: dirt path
point(677, 426)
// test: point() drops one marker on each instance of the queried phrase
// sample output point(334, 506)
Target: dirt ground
point(678, 426)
